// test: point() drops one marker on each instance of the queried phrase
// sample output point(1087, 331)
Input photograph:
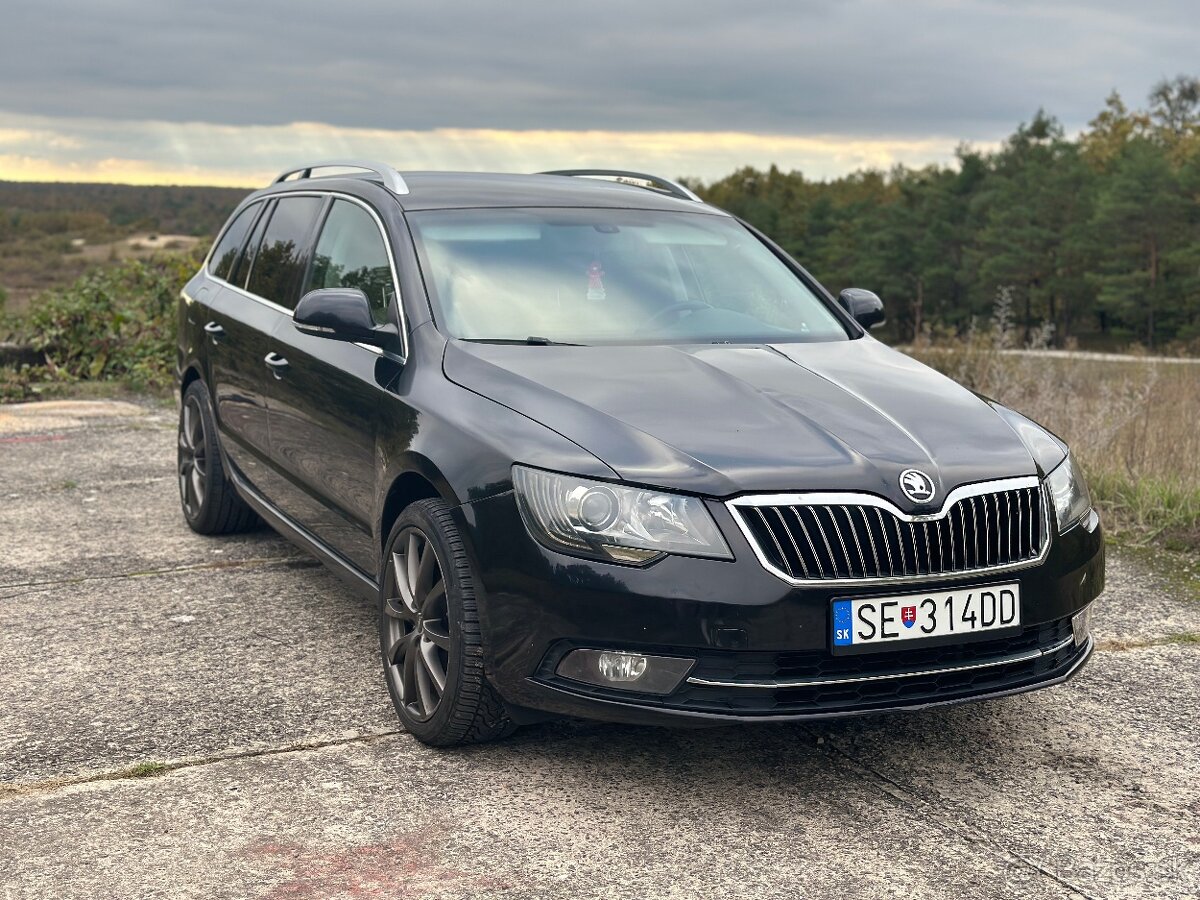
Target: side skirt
point(363, 584)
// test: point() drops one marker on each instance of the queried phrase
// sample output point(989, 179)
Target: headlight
point(1043, 446)
point(613, 522)
point(1069, 492)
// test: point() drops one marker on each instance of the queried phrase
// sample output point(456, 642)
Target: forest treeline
point(1098, 234)
point(67, 210)
point(46, 229)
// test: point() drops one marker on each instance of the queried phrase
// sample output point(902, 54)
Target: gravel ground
point(193, 717)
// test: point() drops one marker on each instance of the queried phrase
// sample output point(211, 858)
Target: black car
point(597, 448)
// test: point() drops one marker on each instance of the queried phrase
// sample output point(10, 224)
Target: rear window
point(226, 252)
point(280, 259)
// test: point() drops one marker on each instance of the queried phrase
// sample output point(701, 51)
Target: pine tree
point(1139, 216)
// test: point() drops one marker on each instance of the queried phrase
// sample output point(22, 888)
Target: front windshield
point(591, 276)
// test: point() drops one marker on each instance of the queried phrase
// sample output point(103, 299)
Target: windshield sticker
point(595, 289)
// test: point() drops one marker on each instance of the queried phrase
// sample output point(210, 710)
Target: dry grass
point(1133, 424)
point(138, 246)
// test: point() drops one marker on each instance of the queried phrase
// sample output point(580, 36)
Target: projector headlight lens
point(613, 522)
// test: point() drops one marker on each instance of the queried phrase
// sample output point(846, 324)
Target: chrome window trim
point(387, 244)
point(837, 498)
point(1023, 656)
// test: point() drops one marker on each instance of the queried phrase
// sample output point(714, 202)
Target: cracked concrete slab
point(57, 415)
point(134, 449)
point(125, 640)
point(1140, 604)
point(586, 812)
point(109, 673)
point(114, 530)
point(1099, 780)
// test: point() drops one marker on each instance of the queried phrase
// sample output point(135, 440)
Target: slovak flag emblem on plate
point(908, 615)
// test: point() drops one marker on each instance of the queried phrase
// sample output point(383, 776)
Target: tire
point(210, 502)
point(429, 634)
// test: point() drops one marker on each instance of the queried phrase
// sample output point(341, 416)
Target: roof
point(474, 190)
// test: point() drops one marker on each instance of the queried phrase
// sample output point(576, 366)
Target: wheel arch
point(418, 480)
point(190, 374)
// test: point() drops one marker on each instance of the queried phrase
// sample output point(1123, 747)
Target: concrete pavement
point(192, 717)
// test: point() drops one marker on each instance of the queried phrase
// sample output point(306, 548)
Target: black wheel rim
point(417, 625)
point(193, 458)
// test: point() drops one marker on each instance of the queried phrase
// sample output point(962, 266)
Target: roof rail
point(391, 179)
point(636, 179)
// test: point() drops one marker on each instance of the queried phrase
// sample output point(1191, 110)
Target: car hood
point(721, 420)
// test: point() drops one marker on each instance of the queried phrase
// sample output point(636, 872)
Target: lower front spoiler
point(562, 701)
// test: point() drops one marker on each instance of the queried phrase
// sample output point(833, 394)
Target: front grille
point(814, 541)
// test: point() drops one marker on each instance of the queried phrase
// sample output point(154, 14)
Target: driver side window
point(351, 254)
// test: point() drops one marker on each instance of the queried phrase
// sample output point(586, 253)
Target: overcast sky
point(227, 91)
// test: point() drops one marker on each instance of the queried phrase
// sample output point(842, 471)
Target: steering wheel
point(676, 309)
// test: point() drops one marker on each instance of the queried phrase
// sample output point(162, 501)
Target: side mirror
point(863, 305)
point(341, 314)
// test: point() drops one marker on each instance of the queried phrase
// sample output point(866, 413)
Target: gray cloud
point(969, 69)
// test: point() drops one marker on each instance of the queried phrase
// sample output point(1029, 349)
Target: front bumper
point(762, 647)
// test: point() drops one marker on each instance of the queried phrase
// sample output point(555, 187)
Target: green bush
point(15, 384)
point(113, 324)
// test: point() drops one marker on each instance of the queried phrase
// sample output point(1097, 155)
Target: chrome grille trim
point(966, 520)
point(781, 684)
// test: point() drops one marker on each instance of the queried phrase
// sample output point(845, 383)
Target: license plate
point(913, 617)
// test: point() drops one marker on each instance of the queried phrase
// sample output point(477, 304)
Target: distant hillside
point(51, 233)
point(176, 210)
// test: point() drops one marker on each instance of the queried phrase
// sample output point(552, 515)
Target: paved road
point(1083, 355)
point(251, 675)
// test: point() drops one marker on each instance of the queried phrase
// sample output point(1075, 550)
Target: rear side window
point(280, 260)
point(245, 264)
point(351, 254)
point(226, 252)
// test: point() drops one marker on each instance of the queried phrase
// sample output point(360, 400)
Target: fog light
point(1081, 625)
point(625, 671)
point(621, 666)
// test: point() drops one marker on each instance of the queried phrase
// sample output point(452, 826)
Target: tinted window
point(245, 264)
point(226, 252)
point(610, 275)
point(351, 254)
point(280, 258)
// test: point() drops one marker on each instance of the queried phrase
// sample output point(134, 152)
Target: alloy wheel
point(193, 458)
point(417, 651)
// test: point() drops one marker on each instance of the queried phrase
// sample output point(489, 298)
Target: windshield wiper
point(538, 340)
point(533, 340)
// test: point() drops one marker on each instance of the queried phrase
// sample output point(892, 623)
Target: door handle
point(214, 331)
point(276, 363)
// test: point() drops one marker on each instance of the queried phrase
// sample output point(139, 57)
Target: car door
point(259, 293)
point(236, 329)
point(325, 411)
